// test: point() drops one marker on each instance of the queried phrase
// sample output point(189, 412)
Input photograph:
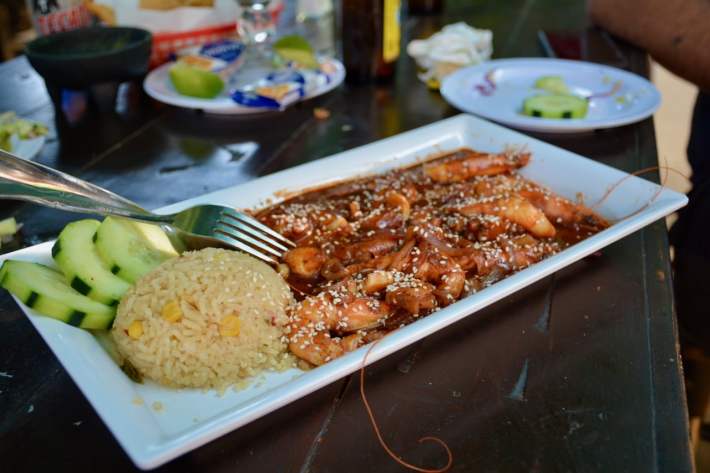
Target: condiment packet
point(455, 46)
point(280, 89)
point(222, 57)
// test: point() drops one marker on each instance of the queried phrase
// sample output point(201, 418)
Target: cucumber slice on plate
point(46, 291)
point(130, 249)
point(555, 106)
point(75, 254)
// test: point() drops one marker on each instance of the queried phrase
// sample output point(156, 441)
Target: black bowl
point(80, 58)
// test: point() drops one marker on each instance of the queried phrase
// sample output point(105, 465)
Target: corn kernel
point(229, 326)
point(172, 312)
point(135, 330)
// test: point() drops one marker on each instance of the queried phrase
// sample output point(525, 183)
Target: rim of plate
point(453, 84)
point(157, 80)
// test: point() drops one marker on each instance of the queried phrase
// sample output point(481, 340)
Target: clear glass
point(256, 28)
point(256, 25)
point(316, 22)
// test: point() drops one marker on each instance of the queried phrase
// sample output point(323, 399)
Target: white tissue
point(455, 46)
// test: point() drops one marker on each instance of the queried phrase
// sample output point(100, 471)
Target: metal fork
point(192, 228)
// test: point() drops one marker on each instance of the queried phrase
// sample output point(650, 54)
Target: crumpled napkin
point(455, 46)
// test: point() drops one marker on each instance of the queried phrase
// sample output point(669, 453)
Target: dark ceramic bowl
point(80, 58)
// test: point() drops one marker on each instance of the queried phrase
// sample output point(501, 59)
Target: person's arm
point(676, 33)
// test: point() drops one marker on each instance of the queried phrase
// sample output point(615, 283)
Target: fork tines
point(251, 236)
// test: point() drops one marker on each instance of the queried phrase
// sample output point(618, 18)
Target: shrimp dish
point(379, 252)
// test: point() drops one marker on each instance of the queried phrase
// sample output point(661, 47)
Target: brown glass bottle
point(371, 38)
point(425, 7)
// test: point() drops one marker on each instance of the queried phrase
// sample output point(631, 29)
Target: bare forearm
point(675, 32)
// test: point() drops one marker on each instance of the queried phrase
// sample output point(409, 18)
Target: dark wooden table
point(579, 372)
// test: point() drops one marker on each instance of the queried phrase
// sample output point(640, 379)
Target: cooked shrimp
point(413, 300)
point(320, 327)
point(473, 163)
point(382, 218)
point(485, 227)
point(431, 266)
point(409, 190)
point(378, 280)
point(305, 261)
point(334, 223)
point(563, 211)
point(515, 209)
point(334, 269)
point(525, 250)
point(557, 209)
point(424, 216)
point(457, 249)
point(291, 226)
point(400, 258)
point(308, 226)
point(402, 290)
point(377, 245)
point(510, 254)
point(378, 252)
point(399, 201)
point(505, 252)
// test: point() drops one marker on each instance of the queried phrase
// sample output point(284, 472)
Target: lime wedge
point(195, 82)
point(296, 48)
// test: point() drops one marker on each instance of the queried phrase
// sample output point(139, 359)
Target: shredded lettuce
point(10, 125)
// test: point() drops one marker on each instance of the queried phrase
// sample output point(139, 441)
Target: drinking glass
point(256, 25)
point(256, 28)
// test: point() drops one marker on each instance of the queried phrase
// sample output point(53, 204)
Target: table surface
point(579, 372)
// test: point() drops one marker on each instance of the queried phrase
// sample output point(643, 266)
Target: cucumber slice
point(157, 237)
point(46, 291)
point(76, 255)
point(553, 84)
point(128, 248)
point(555, 106)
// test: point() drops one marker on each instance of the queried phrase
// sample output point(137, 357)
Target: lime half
point(195, 82)
point(296, 48)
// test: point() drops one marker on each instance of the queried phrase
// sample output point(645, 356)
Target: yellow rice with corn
point(207, 319)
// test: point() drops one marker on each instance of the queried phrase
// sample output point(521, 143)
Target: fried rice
point(206, 319)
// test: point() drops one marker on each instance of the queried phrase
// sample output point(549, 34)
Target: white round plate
point(158, 86)
point(27, 149)
point(496, 90)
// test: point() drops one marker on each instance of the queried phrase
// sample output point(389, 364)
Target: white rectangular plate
point(190, 418)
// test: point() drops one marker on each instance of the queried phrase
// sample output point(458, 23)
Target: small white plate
point(27, 149)
point(158, 86)
point(496, 90)
point(155, 424)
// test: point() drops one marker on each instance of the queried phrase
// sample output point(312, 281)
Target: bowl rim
point(146, 37)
